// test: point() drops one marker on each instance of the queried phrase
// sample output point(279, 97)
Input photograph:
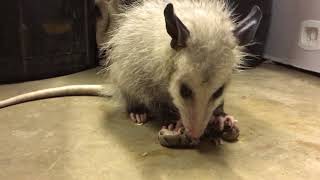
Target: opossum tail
point(73, 90)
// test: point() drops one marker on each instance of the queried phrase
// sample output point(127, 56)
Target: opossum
point(177, 58)
point(173, 59)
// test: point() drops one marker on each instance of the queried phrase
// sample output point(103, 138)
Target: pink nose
point(194, 134)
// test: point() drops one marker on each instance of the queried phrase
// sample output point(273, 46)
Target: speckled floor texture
point(75, 138)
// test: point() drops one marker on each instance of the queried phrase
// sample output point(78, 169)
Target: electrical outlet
point(310, 35)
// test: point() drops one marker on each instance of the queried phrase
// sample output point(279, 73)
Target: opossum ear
point(175, 28)
point(246, 29)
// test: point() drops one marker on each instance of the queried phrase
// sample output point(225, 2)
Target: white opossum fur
point(148, 71)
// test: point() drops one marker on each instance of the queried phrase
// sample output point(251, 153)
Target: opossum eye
point(185, 92)
point(218, 93)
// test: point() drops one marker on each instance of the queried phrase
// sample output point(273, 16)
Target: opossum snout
point(195, 127)
point(195, 117)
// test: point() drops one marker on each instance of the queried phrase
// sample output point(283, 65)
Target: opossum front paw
point(230, 132)
point(223, 126)
point(138, 113)
point(223, 121)
point(139, 119)
point(175, 136)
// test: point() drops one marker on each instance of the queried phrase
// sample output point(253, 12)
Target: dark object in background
point(42, 39)
point(243, 7)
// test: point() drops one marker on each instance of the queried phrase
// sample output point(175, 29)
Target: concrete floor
point(75, 138)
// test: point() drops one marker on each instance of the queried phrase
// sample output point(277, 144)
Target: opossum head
point(204, 65)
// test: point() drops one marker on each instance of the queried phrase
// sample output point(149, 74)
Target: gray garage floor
point(75, 138)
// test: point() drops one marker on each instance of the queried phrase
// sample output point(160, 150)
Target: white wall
point(282, 43)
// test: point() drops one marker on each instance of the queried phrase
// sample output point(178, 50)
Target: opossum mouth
point(173, 113)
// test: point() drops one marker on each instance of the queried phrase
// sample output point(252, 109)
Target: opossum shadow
point(155, 161)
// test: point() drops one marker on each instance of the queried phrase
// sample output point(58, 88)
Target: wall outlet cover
point(310, 35)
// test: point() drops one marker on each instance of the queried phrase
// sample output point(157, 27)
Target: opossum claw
point(132, 116)
point(230, 121)
point(139, 119)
